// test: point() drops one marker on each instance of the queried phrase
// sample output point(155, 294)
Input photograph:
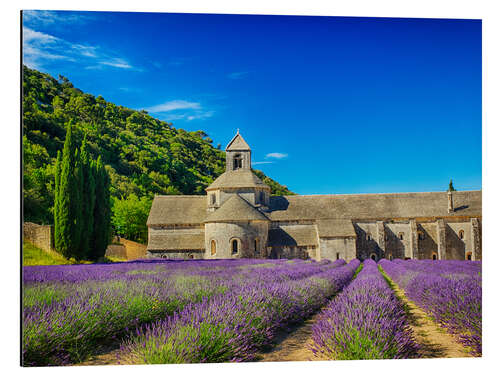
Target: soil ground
point(434, 341)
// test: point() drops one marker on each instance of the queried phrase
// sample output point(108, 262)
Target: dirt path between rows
point(293, 344)
point(434, 341)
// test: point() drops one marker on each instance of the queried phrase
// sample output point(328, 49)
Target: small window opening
point(421, 235)
point(390, 257)
point(237, 161)
point(262, 197)
point(256, 245)
point(234, 246)
point(338, 256)
point(213, 247)
point(401, 236)
point(368, 237)
point(461, 234)
point(468, 256)
point(373, 257)
point(434, 256)
point(212, 198)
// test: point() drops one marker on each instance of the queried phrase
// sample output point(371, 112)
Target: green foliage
point(102, 212)
point(34, 256)
point(276, 188)
point(141, 154)
point(65, 218)
point(450, 186)
point(129, 217)
point(88, 190)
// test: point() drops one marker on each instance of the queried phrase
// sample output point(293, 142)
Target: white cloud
point(173, 105)
point(40, 49)
point(276, 155)
point(117, 63)
point(237, 75)
point(262, 162)
point(53, 18)
point(181, 110)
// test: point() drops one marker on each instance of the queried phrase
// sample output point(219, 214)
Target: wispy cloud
point(54, 18)
point(40, 49)
point(181, 110)
point(173, 105)
point(237, 75)
point(262, 162)
point(276, 155)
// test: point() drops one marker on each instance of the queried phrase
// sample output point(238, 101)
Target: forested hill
point(143, 155)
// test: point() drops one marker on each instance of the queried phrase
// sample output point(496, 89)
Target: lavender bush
point(366, 321)
point(450, 291)
point(233, 327)
point(69, 312)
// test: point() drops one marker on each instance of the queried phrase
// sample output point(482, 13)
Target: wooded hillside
point(143, 155)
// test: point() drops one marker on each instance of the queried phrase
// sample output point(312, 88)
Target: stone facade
point(41, 236)
point(240, 219)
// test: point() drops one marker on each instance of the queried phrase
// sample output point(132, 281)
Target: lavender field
point(230, 310)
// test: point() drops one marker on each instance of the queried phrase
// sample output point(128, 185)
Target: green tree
point(67, 192)
point(450, 186)
point(102, 211)
point(88, 199)
point(129, 216)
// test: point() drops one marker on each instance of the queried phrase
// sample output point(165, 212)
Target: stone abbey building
point(238, 218)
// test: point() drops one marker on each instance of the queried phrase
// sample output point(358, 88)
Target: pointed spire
point(237, 143)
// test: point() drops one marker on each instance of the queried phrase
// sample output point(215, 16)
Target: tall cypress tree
point(88, 200)
point(65, 223)
point(102, 211)
point(56, 198)
point(77, 205)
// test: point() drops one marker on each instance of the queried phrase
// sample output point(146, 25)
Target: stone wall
point(116, 251)
point(41, 236)
point(245, 233)
point(134, 250)
point(173, 255)
point(337, 248)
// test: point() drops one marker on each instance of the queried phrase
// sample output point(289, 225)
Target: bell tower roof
point(237, 143)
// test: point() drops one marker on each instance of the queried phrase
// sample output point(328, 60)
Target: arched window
point(338, 256)
point(461, 234)
point(237, 161)
point(373, 256)
point(234, 246)
point(390, 257)
point(256, 245)
point(368, 237)
point(213, 247)
point(468, 255)
point(421, 235)
point(401, 236)
point(434, 256)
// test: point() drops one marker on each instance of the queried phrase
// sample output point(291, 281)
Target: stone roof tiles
point(335, 228)
point(237, 144)
point(239, 178)
point(293, 235)
point(235, 209)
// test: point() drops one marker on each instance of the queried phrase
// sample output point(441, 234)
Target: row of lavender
point(236, 325)
point(366, 321)
point(70, 311)
point(450, 291)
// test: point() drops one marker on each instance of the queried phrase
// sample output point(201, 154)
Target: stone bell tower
point(238, 154)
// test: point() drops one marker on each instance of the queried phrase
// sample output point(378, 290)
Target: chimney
point(450, 202)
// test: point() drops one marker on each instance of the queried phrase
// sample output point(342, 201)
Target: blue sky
point(329, 105)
